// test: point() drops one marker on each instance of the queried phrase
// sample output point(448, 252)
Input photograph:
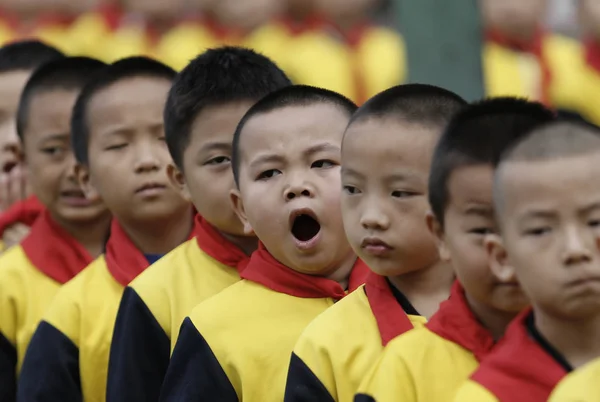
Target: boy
point(205, 104)
point(579, 386)
point(17, 62)
point(429, 364)
point(118, 140)
point(71, 230)
point(393, 134)
point(546, 201)
point(285, 161)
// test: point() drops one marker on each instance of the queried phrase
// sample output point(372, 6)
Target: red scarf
point(592, 53)
point(456, 322)
point(53, 251)
point(534, 47)
point(26, 212)
point(123, 259)
point(389, 314)
point(519, 369)
point(299, 27)
point(267, 271)
point(215, 245)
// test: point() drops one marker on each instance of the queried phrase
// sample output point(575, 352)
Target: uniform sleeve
point(194, 372)
point(50, 371)
point(139, 354)
point(8, 367)
point(389, 380)
point(303, 385)
point(471, 391)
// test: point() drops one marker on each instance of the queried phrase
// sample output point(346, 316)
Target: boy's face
point(550, 213)
point(289, 186)
point(516, 17)
point(244, 14)
point(469, 217)
point(50, 160)
point(385, 169)
point(11, 85)
point(207, 165)
point(128, 156)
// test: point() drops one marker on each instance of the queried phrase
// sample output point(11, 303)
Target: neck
point(576, 340)
point(492, 319)
point(426, 288)
point(341, 274)
point(160, 236)
point(523, 36)
point(91, 235)
point(248, 244)
point(347, 22)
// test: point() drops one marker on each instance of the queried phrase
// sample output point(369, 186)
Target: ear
point(178, 181)
point(238, 207)
point(435, 227)
point(85, 183)
point(498, 259)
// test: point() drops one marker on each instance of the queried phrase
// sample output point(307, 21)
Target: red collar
point(592, 53)
point(53, 251)
point(220, 31)
point(456, 322)
point(26, 212)
point(123, 259)
point(519, 369)
point(215, 245)
point(296, 27)
point(267, 271)
point(535, 47)
point(391, 318)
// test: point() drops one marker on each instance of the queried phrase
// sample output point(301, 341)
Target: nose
point(298, 187)
point(374, 218)
point(146, 159)
point(576, 249)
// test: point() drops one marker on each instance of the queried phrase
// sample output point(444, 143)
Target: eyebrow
point(350, 172)
point(307, 152)
point(216, 146)
point(479, 210)
point(61, 136)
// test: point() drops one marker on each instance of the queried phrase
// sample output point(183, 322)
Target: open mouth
point(305, 227)
point(8, 166)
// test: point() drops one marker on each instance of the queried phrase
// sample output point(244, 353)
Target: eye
point(594, 223)
point(537, 232)
point(115, 147)
point(403, 194)
point(351, 190)
point(162, 138)
point(53, 151)
point(481, 231)
point(267, 174)
point(323, 164)
point(219, 160)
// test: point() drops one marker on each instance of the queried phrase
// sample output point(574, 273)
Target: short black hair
point(295, 95)
point(69, 73)
point(120, 70)
point(413, 103)
point(216, 77)
point(479, 134)
point(560, 139)
point(26, 55)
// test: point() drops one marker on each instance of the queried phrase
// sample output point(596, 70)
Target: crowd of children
point(223, 234)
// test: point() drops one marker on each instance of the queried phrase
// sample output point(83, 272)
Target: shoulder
point(352, 314)
point(580, 385)
point(472, 391)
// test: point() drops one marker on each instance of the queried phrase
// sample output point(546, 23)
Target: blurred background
point(547, 50)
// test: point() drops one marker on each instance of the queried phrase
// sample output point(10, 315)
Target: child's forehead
point(470, 184)
point(294, 129)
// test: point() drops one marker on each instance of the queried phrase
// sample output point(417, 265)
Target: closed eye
point(267, 174)
point(53, 151)
point(594, 223)
point(115, 147)
point(536, 232)
point(323, 164)
point(481, 231)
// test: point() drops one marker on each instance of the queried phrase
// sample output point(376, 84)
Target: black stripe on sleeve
point(139, 353)
point(194, 372)
point(363, 398)
point(303, 385)
point(8, 367)
point(50, 371)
